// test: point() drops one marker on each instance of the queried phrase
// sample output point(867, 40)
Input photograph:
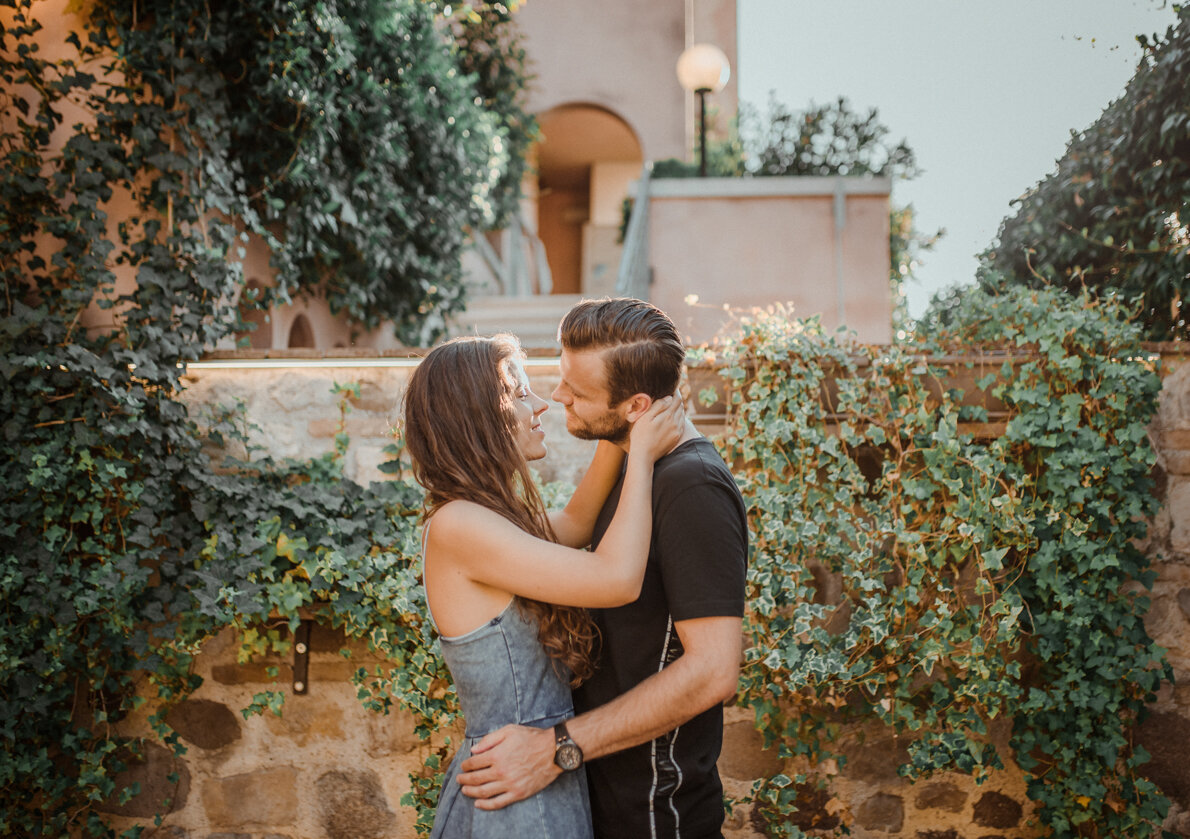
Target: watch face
point(568, 756)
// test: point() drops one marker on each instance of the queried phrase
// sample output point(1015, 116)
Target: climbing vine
point(939, 546)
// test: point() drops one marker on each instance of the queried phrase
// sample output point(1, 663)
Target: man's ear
point(636, 405)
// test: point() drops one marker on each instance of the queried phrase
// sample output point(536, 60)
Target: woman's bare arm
point(574, 524)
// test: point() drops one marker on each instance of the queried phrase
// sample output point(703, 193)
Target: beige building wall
point(752, 242)
point(621, 55)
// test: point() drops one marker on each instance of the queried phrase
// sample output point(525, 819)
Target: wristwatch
point(567, 754)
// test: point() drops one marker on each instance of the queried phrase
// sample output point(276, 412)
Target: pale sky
point(986, 94)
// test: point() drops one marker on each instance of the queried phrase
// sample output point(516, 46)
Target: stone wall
point(329, 768)
point(326, 767)
point(1166, 733)
point(291, 403)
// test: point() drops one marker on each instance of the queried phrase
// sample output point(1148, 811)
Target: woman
point(506, 582)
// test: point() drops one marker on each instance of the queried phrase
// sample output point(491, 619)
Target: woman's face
point(527, 408)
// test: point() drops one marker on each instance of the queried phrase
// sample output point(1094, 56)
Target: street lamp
point(703, 69)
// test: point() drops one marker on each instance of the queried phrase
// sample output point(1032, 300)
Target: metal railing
point(635, 276)
point(522, 270)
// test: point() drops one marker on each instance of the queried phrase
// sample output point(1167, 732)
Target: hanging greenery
point(921, 564)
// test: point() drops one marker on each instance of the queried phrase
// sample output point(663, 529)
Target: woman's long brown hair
point(460, 435)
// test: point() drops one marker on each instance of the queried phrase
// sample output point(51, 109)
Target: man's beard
point(611, 427)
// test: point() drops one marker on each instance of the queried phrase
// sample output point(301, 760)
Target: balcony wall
point(820, 243)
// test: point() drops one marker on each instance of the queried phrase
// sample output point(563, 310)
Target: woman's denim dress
point(503, 675)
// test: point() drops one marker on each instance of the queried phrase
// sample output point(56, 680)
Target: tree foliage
point(136, 158)
point(822, 140)
point(1112, 218)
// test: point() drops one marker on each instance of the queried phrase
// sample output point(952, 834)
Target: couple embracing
point(591, 647)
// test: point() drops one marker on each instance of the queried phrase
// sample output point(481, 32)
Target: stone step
point(533, 319)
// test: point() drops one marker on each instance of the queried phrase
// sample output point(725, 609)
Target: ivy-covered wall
point(839, 643)
point(854, 720)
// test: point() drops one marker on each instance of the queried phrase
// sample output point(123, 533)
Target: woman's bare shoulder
point(461, 515)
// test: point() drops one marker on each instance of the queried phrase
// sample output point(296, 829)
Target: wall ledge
point(790, 186)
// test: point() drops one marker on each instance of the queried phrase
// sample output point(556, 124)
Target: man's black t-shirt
point(669, 787)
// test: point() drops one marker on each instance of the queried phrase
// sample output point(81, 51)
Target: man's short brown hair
point(642, 352)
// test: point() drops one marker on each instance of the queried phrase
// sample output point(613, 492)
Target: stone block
point(1166, 624)
point(1174, 439)
point(743, 756)
point(206, 724)
point(1176, 461)
point(938, 834)
point(253, 673)
point(335, 669)
point(322, 428)
point(876, 761)
point(361, 426)
point(1177, 822)
point(1178, 502)
point(941, 796)
point(812, 810)
point(1184, 601)
point(255, 799)
point(881, 812)
point(1165, 736)
point(299, 391)
point(152, 771)
point(305, 718)
point(326, 639)
point(364, 462)
point(391, 733)
point(1174, 401)
point(378, 397)
point(352, 805)
point(994, 809)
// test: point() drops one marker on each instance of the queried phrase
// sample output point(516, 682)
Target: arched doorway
point(585, 161)
point(301, 336)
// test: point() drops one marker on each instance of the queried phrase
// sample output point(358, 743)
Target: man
point(650, 722)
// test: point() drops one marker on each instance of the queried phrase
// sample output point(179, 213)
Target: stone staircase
point(534, 319)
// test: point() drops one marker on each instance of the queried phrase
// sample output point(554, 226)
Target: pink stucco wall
point(753, 242)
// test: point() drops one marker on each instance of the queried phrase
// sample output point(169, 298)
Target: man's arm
point(514, 762)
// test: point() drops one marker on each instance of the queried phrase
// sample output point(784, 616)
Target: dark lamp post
point(703, 69)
